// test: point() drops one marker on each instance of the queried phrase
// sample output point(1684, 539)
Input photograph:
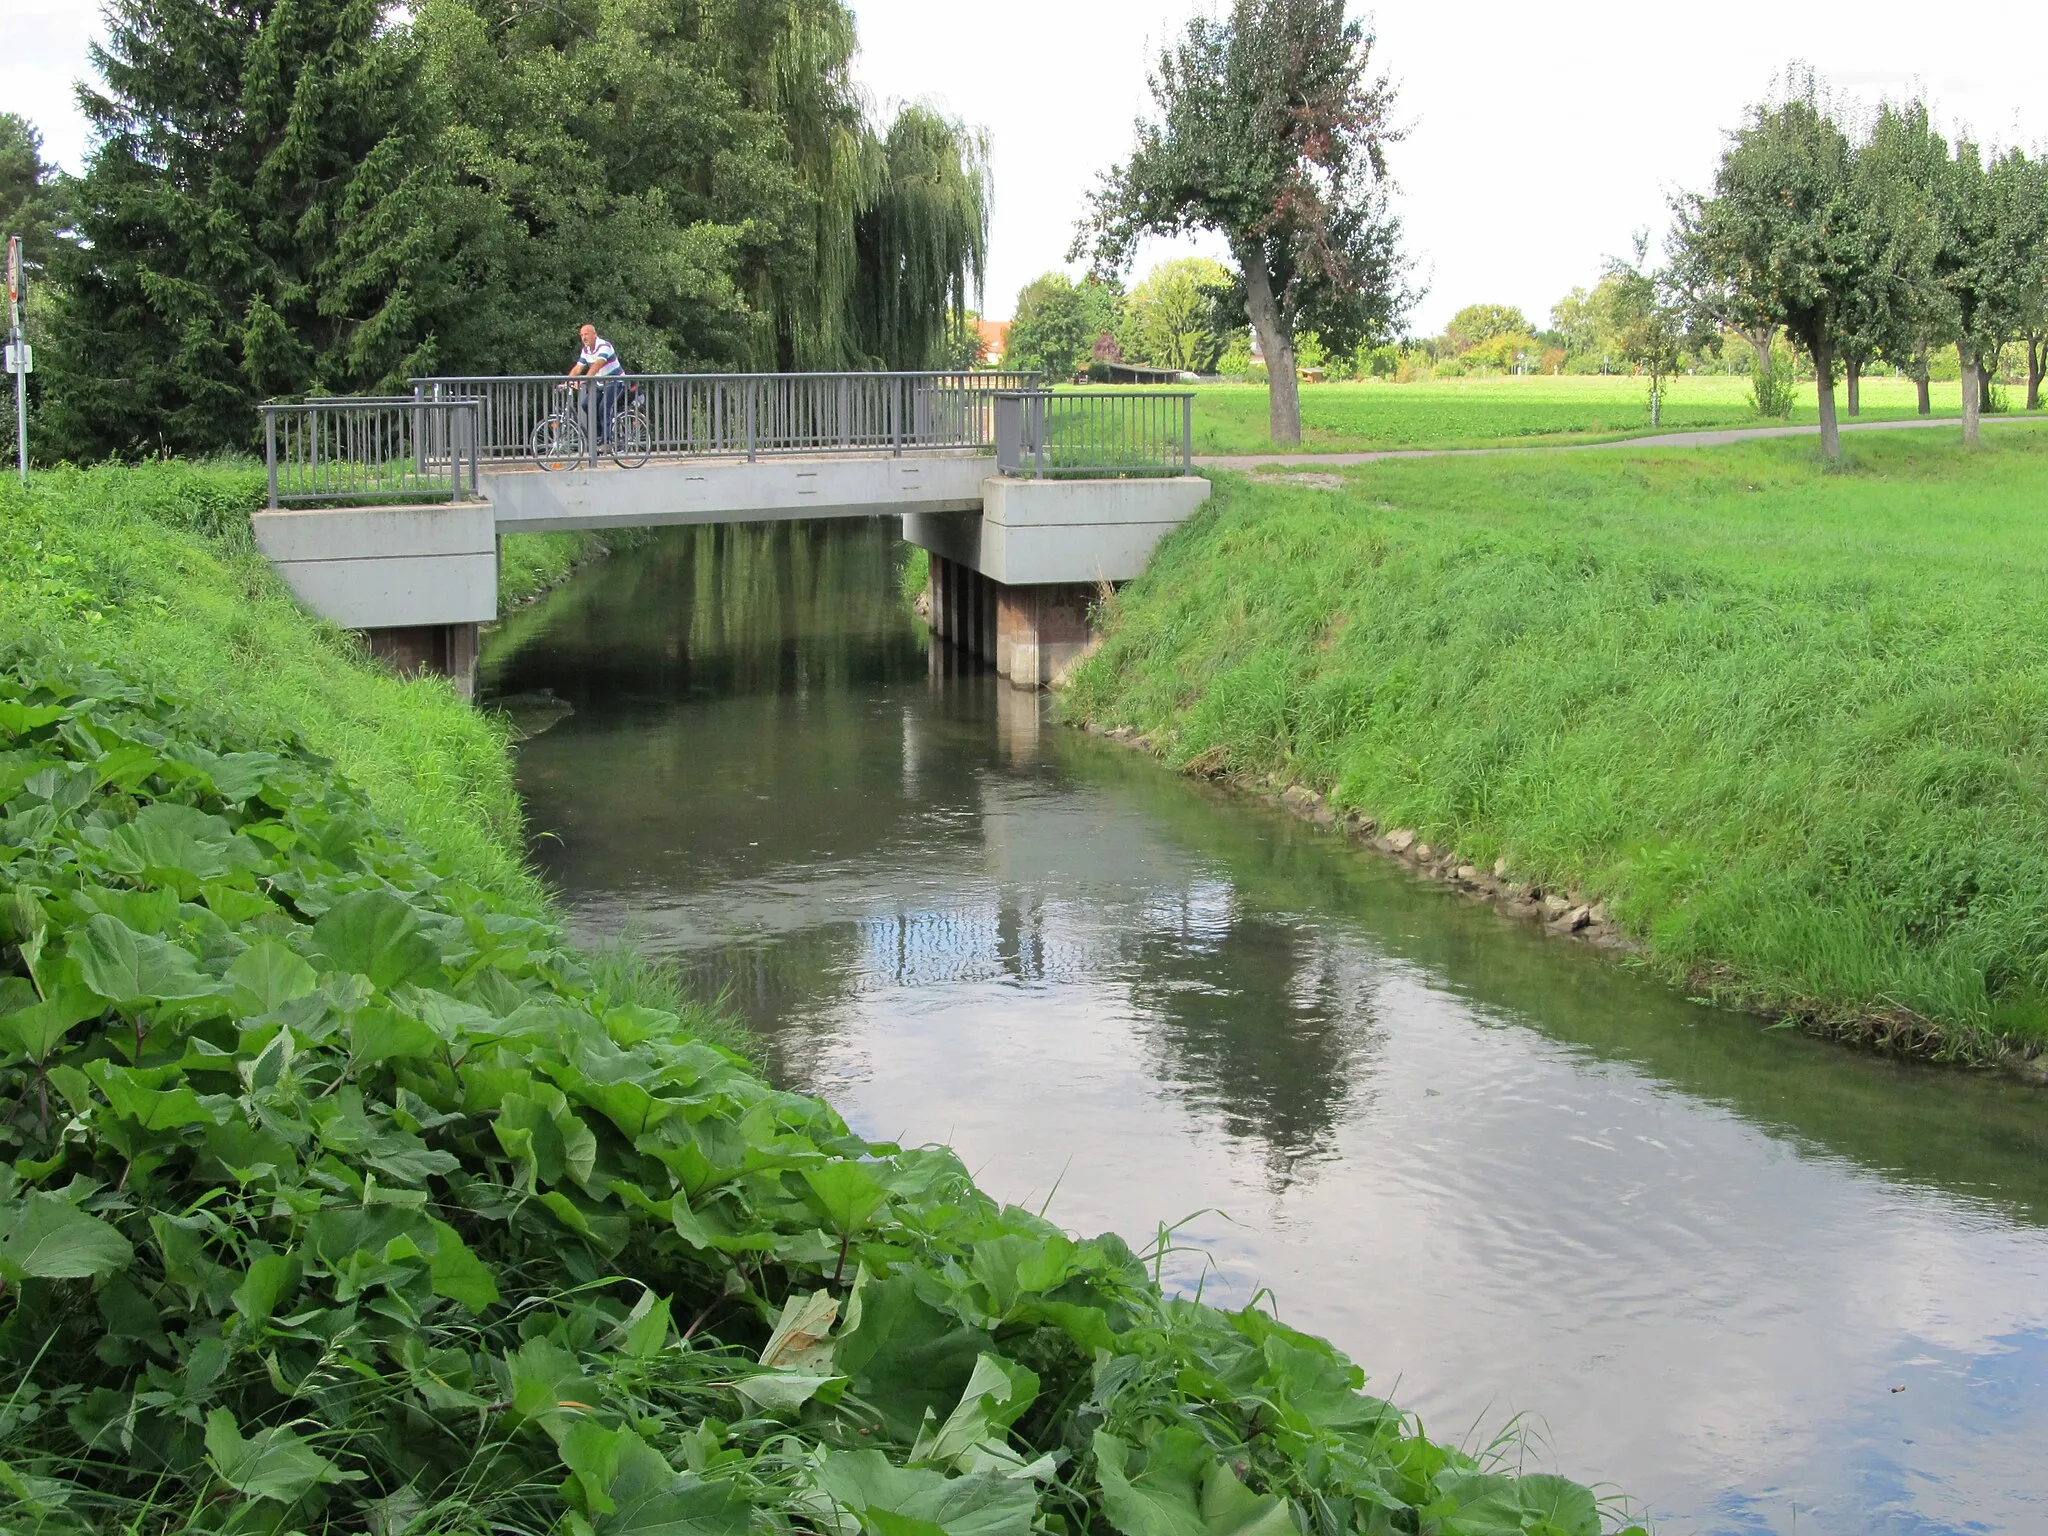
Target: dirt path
point(1662, 440)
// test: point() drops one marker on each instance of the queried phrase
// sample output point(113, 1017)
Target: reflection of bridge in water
point(385, 514)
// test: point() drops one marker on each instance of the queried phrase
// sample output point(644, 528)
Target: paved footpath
point(1665, 440)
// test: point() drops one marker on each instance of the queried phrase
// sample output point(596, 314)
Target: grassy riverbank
point(337, 1193)
point(1785, 721)
point(1505, 412)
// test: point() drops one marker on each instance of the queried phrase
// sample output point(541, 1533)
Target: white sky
point(1541, 136)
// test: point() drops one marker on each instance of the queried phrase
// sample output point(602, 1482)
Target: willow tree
point(701, 179)
point(1272, 132)
point(921, 241)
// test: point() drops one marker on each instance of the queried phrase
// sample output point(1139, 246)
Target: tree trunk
point(1760, 339)
point(1972, 400)
point(1283, 391)
point(1984, 388)
point(1855, 373)
point(2037, 355)
point(1824, 388)
point(1920, 372)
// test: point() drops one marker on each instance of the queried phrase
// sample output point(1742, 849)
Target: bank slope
point(337, 1192)
point(1788, 723)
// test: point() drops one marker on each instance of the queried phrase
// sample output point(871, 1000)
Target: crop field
point(1491, 412)
point(1784, 720)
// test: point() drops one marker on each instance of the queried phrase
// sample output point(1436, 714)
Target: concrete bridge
point(385, 514)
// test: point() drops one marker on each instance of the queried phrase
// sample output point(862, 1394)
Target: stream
point(1760, 1283)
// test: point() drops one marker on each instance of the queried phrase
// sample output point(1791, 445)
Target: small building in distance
point(1109, 367)
point(995, 340)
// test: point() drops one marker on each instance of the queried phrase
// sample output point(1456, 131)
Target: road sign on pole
point(17, 354)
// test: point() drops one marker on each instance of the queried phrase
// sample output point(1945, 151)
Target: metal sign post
point(17, 354)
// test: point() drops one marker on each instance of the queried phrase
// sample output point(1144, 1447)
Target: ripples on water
point(1505, 1175)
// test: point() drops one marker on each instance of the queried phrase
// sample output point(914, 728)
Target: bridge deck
point(738, 491)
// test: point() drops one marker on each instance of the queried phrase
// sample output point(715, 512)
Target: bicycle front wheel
point(632, 440)
point(557, 443)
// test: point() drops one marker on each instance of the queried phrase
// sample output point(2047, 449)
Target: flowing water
point(1759, 1283)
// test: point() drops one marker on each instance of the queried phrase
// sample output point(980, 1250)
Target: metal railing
point(1099, 434)
point(371, 448)
point(752, 415)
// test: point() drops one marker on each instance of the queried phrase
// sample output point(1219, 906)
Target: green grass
point(153, 566)
point(916, 574)
point(531, 563)
point(1793, 724)
point(1493, 412)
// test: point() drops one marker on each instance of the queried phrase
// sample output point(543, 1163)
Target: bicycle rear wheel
point(557, 443)
point(632, 440)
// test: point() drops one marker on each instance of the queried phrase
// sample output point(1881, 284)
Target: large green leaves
point(44, 1237)
point(267, 975)
point(647, 1497)
point(374, 934)
point(136, 970)
point(38, 1029)
point(1182, 1489)
point(911, 1501)
point(270, 1464)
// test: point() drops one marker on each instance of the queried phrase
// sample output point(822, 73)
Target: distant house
point(995, 340)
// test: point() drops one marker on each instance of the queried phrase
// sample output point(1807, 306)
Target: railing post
point(1187, 434)
point(753, 396)
point(270, 451)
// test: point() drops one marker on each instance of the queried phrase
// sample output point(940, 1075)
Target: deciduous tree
point(1782, 232)
point(1057, 324)
point(1272, 130)
point(1177, 317)
point(1980, 263)
point(1649, 321)
point(1901, 170)
point(1477, 323)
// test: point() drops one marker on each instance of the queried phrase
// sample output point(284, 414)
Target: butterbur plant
point(338, 1194)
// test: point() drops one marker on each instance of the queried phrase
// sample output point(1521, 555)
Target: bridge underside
point(1016, 563)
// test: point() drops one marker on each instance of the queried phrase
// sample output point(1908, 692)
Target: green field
point(1492, 412)
point(1788, 722)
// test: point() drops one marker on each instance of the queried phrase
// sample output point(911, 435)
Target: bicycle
point(561, 439)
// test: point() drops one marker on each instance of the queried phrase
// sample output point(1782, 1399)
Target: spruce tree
point(260, 217)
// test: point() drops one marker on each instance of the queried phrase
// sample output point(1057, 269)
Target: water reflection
point(1505, 1175)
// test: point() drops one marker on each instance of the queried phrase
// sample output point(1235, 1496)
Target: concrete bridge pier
point(416, 581)
point(1017, 584)
point(1029, 634)
point(439, 650)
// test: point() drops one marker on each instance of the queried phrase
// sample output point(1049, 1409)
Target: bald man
point(599, 359)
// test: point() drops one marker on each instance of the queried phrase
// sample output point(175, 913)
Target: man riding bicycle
point(599, 360)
